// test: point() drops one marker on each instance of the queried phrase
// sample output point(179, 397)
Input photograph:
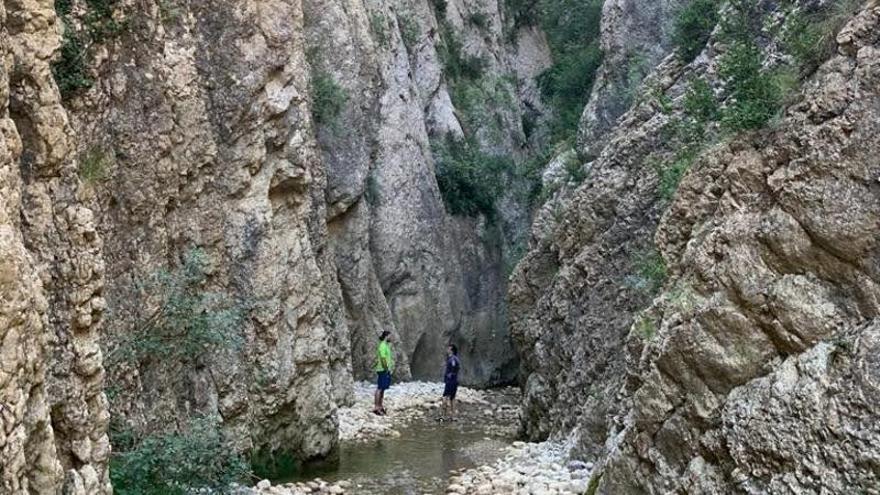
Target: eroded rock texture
point(761, 375)
point(191, 126)
point(403, 263)
point(53, 409)
point(750, 371)
point(203, 124)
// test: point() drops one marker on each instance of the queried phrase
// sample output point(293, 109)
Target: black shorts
point(450, 389)
point(383, 380)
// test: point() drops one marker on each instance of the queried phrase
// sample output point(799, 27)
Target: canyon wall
point(52, 404)
point(404, 264)
point(168, 160)
point(749, 367)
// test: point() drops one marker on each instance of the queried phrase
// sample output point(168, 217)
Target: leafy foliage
point(458, 65)
point(409, 31)
point(671, 173)
point(328, 98)
point(650, 269)
point(693, 27)
point(188, 322)
point(754, 96)
point(379, 28)
point(176, 463)
point(809, 37)
point(98, 25)
point(574, 168)
point(646, 327)
point(479, 19)
point(700, 103)
point(93, 166)
point(572, 28)
point(470, 180)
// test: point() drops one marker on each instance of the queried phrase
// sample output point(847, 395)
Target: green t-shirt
point(384, 351)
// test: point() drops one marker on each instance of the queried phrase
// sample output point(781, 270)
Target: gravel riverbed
point(523, 468)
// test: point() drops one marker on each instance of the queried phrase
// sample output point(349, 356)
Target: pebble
point(527, 468)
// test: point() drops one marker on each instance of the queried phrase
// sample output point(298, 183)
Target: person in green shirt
point(384, 367)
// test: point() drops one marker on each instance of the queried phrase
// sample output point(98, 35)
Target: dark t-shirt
point(452, 367)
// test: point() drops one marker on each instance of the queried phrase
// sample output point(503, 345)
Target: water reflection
point(419, 461)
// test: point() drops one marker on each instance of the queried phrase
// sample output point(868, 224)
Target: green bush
point(458, 65)
point(93, 166)
point(188, 322)
point(70, 70)
point(693, 26)
point(566, 86)
point(809, 37)
point(650, 270)
point(572, 28)
point(754, 94)
point(700, 103)
point(646, 327)
point(671, 173)
point(379, 28)
point(470, 180)
point(176, 463)
point(328, 98)
point(574, 169)
point(409, 31)
point(479, 19)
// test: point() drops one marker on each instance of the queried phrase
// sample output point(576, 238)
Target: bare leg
point(376, 401)
point(381, 401)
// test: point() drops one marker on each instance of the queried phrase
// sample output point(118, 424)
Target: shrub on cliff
point(96, 25)
point(188, 322)
point(693, 26)
point(572, 29)
point(328, 98)
point(176, 463)
point(470, 180)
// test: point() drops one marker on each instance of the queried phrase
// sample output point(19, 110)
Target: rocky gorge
point(658, 219)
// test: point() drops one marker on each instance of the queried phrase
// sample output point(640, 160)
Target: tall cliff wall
point(404, 264)
point(54, 412)
point(748, 368)
point(159, 150)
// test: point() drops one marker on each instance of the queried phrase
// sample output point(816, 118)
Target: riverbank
point(527, 468)
point(407, 451)
point(411, 400)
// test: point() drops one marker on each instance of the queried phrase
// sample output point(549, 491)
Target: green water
point(419, 461)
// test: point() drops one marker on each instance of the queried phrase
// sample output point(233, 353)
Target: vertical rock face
point(194, 128)
point(404, 264)
point(635, 36)
point(751, 370)
point(54, 409)
point(203, 124)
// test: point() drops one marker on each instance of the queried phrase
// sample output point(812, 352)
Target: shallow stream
point(420, 460)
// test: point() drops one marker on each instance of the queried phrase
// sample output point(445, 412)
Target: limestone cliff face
point(403, 263)
point(52, 404)
point(763, 372)
point(192, 127)
point(751, 370)
point(202, 122)
point(635, 37)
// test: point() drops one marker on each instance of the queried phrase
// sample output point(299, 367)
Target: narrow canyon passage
point(651, 228)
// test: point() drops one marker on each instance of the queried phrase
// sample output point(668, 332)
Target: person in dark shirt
point(450, 378)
